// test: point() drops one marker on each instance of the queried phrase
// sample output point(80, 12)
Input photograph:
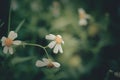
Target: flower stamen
point(58, 40)
point(82, 15)
point(8, 42)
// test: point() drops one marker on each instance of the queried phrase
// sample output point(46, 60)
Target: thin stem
point(46, 53)
point(37, 45)
point(1, 25)
point(9, 17)
point(31, 44)
point(107, 76)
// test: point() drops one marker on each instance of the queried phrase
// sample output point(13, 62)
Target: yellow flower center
point(82, 15)
point(8, 42)
point(58, 40)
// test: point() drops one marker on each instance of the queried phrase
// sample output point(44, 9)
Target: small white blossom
point(47, 62)
point(83, 16)
point(55, 43)
point(9, 41)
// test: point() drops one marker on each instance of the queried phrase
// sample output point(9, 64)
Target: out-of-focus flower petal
point(10, 50)
point(62, 42)
point(12, 35)
point(17, 42)
point(55, 50)
point(40, 63)
point(3, 38)
point(60, 48)
point(59, 36)
point(56, 64)
point(51, 44)
point(45, 60)
point(50, 37)
point(83, 22)
point(5, 49)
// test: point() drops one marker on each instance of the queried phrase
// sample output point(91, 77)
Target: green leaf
point(19, 26)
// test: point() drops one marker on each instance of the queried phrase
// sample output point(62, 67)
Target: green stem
point(37, 45)
point(107, 76)
point(1, 25)
point(9, 17)
point(46, 53)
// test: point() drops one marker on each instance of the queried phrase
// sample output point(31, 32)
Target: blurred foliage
point(34, 19)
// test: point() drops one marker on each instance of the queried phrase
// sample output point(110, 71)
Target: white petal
point(10, 50)
point(50, 37)
point(81, 10)
point(40, 63)
point(62, 42)
point(45, 60)
point(83, 22)
point(5, 49)
point(3, 43)
point(60, 48)
point(17, 42)
point(55, 50)
point(51, 44)
point(59, 36)
point(56, 64)
point(3, 38)
point(12, 35)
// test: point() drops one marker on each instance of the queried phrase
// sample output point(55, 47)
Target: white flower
point(83, 16)
point(8, 42)
point(56, 43)
point(47, 62)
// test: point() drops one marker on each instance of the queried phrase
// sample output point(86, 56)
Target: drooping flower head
point(55, 43)
point(9, 41)
point(47, 62)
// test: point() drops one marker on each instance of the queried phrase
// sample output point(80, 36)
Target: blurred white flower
point(47, 62)
point(8, 42)
point(14, 5)
point(35, 6)
point(55, 8)
point(56, 43)
point(83, 16)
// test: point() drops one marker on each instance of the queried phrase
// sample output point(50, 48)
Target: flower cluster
point(56, 41)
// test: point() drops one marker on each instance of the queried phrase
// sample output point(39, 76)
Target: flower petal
point(45, 60)
point(81, 10)
point(55, 50)
point(83, 22)
point(60, 48)
point(10, 50)
point(50, 37)
point(12, 35)
point(59, 36)
point(5, 49)
point(3, 43)
point(62, 42)
point(17, 42)
point(51, 44)
point(56, 64)
point(40, 63)
point(3, 38)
